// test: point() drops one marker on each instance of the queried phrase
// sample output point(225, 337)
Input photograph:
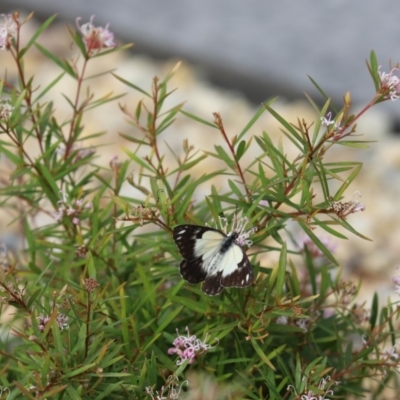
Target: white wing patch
point(231, 260)
point(209, 244)
point(208, 247)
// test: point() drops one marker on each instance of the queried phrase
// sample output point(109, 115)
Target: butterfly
point(211, 256)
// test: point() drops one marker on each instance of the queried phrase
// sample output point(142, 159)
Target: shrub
point(93, 305)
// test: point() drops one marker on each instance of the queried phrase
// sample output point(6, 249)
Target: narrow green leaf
point(312, 276)
point(324, 225)
point(12, 154)
point(15, 119)
point(78, 40)
point(168, 119)
point(374, 311)
point(347, 182)
point(326, 283)
point(346, 225)
point(38, 32)
point(224, 156)
point(187, 302)
point(323, 94)
point(240, 150)
point(111, 387)
point(47, 180)
point(254, 119)
point(239, 194)
point(198, 119)
point(280, 280)
point(137, 159)
point(317, 127)
point(284, 123)
point(64, 65)
point(320, 171)
point(261, 353)
point(358, 144)
point(300, 145)
point(317, 242)
point(113, 50)
point(190, 164)
point(132, 85)
point(80, 370)
point(171, 73)
point(138, 111)
point(132, 139)
point(373, 70)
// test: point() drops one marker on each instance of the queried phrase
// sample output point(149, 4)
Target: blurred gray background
point(262, 48)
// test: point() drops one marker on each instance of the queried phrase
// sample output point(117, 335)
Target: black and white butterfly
point(213, 257)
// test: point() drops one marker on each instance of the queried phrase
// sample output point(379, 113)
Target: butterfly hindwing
point(212, 284)
point(241, 277)
point(211, 256)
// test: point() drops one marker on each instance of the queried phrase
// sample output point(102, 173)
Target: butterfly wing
point(230, 267)
point(242, 275)
point(196, 244)
point(192, 271)
point(212, 284)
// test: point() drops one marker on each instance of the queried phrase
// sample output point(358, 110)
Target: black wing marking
point(192, 271)
point(241, 277)
point(212, 285)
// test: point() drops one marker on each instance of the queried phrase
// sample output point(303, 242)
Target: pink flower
point(70, 211)
point(336, 129)
point(6, 108)
point(73, 211)
point(238, 226)
point(396, 281)
point(42, 320)
point(8, 29)
point(115, 164)
point(58, 214)
point(187, 347)
point(328, 120)
point(390, 84)
point(302, 324)
point(170, 391)
point(95, 38)
point(324, 387)
point(342, 210)
point(62, 321)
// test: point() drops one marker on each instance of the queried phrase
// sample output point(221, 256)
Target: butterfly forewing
point(190, 241)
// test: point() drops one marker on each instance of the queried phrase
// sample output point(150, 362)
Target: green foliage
point(92, 302)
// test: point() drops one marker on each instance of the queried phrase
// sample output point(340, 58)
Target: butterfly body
point(213, 257)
